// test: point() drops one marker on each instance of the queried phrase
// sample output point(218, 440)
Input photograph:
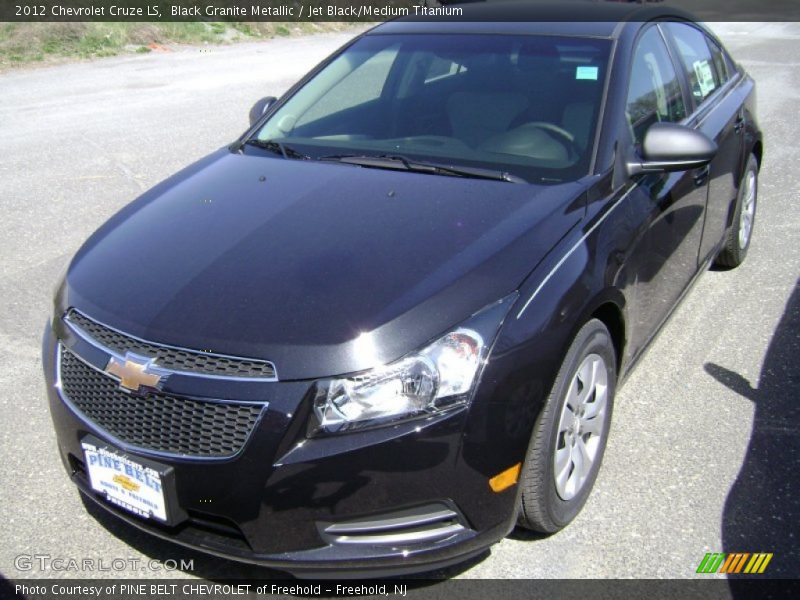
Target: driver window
point(654, 93)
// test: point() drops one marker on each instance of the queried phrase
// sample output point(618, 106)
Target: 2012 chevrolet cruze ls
point(387, 324)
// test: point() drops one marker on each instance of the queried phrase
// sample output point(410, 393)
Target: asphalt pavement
point(705, 443)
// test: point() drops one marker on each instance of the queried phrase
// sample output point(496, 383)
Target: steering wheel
point(548, 143)
point(563, 136)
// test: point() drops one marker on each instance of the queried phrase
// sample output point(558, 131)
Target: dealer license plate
point(124, 482)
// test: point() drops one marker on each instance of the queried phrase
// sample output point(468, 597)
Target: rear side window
point(654, 93)
point(732, 68)
point(695, 54)
point(719, 62)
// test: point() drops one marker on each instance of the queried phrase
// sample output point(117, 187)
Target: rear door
point(718, 113)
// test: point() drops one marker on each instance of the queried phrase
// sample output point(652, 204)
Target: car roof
point(596, 19)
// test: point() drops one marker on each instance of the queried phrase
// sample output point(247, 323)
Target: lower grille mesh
point(157, 421)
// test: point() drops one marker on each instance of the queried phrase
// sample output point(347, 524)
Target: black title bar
point(699, 588)
point(376, 10)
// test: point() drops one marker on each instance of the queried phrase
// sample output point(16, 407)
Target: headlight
point(439, 377)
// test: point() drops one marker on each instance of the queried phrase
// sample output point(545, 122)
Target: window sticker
point(589, 73)
point(705, 77)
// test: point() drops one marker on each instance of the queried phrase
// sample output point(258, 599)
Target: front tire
point(570, 434)
point(737, 239)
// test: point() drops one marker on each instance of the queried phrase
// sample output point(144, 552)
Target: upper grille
point(177, 359)
point(157, 421)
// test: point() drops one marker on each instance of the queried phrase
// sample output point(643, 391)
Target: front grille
point(176, 359)
point(157, 421)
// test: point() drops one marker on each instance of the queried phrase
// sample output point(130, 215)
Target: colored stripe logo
point(734, 562)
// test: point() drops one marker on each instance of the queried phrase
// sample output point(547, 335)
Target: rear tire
point(737, 239)
point(570, 432)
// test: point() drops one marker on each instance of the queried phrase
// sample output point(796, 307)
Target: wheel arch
point(611, 315)
point(608, 306)
point(758, 152)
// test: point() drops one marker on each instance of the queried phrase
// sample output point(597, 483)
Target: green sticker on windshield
point(586, 73)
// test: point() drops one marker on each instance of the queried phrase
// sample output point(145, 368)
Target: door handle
point(738, 125)
point(701, 175)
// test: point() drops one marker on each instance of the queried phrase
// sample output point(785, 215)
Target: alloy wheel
point(748, 210)
point(581, 426)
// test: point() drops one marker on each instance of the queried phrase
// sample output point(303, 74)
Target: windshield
point(524, 105)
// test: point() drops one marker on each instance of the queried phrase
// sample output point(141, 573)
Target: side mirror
point(672, 147)
point(260, 107)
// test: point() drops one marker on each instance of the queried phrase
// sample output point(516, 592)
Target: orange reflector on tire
point(505, 479)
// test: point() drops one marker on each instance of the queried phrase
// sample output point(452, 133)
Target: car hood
point(292, 261)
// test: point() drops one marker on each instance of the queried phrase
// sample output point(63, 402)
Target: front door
point(668, 207)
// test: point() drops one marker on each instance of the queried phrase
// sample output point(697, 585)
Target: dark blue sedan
point(387, 324)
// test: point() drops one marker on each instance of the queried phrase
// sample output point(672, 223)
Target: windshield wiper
point(278, 148)
point(392, 161)
point(464, 171)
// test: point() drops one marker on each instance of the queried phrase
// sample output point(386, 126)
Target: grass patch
point(24, 43)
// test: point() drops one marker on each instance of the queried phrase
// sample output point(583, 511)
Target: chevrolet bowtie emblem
point(135, 372)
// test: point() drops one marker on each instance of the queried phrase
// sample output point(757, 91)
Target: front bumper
point(408, 498)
